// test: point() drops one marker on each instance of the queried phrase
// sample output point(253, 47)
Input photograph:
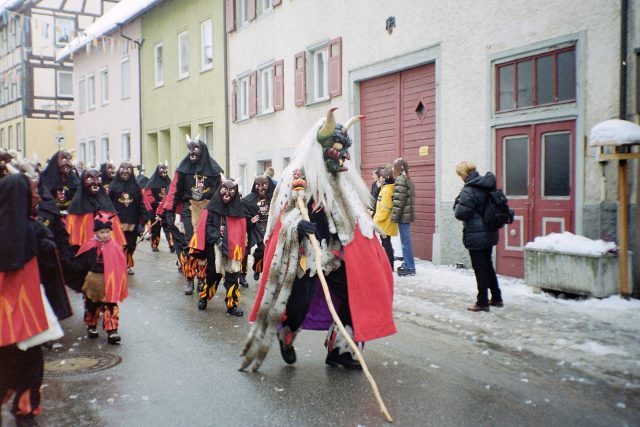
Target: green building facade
point(182, 81)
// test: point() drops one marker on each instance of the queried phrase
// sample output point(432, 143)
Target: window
point(91, 153)
point(206, 39)
point(556, 153)
point(104, 86)
point(64, 28)
point(91, 91)
point(126, 146)
point(2, 139)
point(104, 143)
point(82, 152)
point(183, 55)
point(158, 70)
point(264, 6)
point(243, 98)
point(81, 96)
point(265, 94)
point(10, 135)
point(19, 137)
point(65, 83)
point(125, 77)
point(285, 162)
point(548, 78)
point(318, 75)
point(242, 12)
point(208, 136)
point(516, 165)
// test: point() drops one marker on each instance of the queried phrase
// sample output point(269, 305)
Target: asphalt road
point(179, 367)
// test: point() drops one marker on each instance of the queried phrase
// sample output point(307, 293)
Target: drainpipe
point(138, 43)
point(624, 12)
point(226, 96)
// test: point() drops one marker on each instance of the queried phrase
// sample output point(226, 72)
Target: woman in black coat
point(476, 236)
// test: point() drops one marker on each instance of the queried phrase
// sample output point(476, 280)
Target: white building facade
point(514, 87)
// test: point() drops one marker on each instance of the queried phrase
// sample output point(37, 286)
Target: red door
point(400, 110)
point(535, 168)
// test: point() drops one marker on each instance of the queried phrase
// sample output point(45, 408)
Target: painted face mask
point(91, 182)
point(64, 162)
point(228, 191)
point(261, 184)
point(125, 171)
point(5, 159)
point(110, 169)
point(195, 151)
point(335, 142)
point(162, 171)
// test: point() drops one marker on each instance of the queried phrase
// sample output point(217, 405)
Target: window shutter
point(251, 10)
point(278, 86)
point(335, 67)
point(275, 3)
point(234, 100)
point(299, 62)
point(253, 94)
point(230, 15)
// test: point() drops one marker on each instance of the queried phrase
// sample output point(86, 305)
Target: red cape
point(236, 235)
point(80, 228)
point(169, 200)
point(147, 199)
point(370, 282)
point(21, 308)
point(115, 268)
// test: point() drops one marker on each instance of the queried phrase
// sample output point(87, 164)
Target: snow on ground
point(597, 337)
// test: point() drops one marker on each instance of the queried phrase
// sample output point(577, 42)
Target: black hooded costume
point(104, 177)
point(127, 199)
point(61, 188)
point(153, 194)
point(253, 204)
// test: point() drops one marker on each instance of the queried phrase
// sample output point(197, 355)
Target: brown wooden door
point(400, 110)
point(535, 168)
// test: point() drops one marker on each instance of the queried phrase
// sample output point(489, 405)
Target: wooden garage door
point(400, 121)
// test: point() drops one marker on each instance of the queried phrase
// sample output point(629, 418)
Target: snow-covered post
point(622, 135)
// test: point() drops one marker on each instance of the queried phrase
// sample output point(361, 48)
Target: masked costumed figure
point(105, 284)
point(141, 179)
point(89, 200)
point(107, 173)
point(152, 195)
point(222, 232)
point(256, 209)
point(126, 197)
point(196, 179)
point(26, 318)
point(59, 179)
point(353, 261)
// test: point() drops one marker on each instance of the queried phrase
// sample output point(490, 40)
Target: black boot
point(334, 358)
point(92, 332)
point(202, 304)
point(243, 281)
point(256, 276)
point(188, 288)
point(113, 337)
point(200, 285)
point(287, 350)
point(235, 311)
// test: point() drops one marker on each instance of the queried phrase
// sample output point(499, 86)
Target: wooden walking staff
point(298, 186)
point(147, 229)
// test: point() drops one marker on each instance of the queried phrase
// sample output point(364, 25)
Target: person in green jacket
point(382, 217)
point(403, 213)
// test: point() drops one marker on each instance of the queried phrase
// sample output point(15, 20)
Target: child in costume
point(223, 227)
point(105, 284)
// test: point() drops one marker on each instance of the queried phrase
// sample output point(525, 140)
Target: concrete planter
point(593, 275)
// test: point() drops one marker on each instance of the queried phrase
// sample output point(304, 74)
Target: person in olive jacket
point(403, 213)
point(478, 239)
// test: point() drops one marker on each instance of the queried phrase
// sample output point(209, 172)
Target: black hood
point(47, 203)
point(486, 182)
point(254, 196)
point(129, 186)
point(18, 242)
point(156, 182)
point(205, 166)
point(84, 202)
point(52, 179)
point(106, 179)
point(232, 209)
point(142, 180)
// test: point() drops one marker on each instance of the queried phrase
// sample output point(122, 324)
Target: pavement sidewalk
point(597, 337)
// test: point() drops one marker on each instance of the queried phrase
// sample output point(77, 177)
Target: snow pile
point(614, 132)
point(122, 13)
point(570, 243)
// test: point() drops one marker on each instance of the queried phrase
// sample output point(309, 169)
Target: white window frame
point(316, 84)
point(91, 91)
point(126, 154)
point(242, 12)
point(64, 27)
point(82, 95)
point(59, 74)
point(207, 140)
point(183, 63)
point(158, 66)
point(91, 153)
point(104, 86)
point(104, 148)
point(19, 138)
point(265, 90)
point(125, 84)
point(205, 63)
point(243, 97)
point(82, 151)
point(263, 6)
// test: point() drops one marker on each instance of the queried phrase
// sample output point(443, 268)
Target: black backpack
point(496, 211)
